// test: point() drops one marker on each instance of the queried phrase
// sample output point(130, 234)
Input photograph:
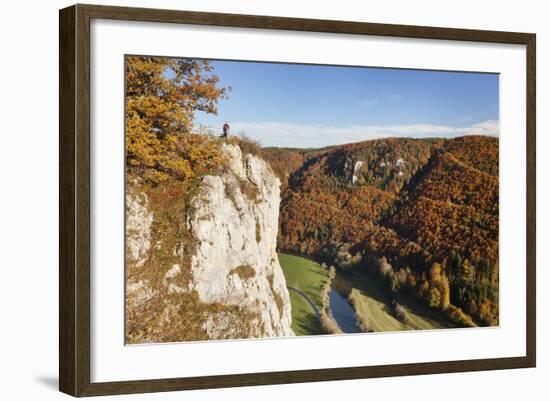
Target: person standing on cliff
point(225, 130)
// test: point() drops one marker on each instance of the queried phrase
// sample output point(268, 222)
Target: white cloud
point(375, 100)
point(395, 96)
point(370, 102)
point(273, 133)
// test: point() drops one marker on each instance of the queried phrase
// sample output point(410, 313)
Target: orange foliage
point(480, 152)
point(162, 95)
point(415, 203)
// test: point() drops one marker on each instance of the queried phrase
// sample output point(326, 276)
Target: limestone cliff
point(225, 280)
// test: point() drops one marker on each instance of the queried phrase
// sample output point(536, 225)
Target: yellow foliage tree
point(434, 298)
point(162, 96)
point(445, 292)
point(440, 283)
point(435, 274)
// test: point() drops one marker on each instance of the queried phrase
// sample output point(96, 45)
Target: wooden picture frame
point(74, 199)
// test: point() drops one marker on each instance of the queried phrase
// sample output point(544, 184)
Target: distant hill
point(428, 208)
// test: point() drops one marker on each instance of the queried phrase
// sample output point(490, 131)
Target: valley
point(352, 300)
point(411, 223)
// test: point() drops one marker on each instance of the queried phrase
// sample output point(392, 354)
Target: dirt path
point(307, 299)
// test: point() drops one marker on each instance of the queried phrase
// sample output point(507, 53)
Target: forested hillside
point(419, 215)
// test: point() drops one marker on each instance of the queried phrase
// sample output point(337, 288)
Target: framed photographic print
point(250, 200)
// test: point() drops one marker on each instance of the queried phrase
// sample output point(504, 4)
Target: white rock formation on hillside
point(356, 169)
point(234, 219)
point(138, 228)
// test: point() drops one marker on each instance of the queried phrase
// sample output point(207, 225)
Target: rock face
point(234, 266)
point(138, 228)
point(235, 222)
point(356, 168)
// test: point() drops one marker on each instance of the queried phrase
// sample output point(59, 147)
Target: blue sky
point(299, 105)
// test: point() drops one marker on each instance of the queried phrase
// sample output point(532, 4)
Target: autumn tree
point(434, 297)
point(440, 295)
point(162, 96)
point(445, 292)
point(466, 271)
point(435, 275)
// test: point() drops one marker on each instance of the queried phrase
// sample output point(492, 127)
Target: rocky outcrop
point(235, 221)
point(237, 285)
point(356, 169)
point(138, 227)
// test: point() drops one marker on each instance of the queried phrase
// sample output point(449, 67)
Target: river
point(340, 308)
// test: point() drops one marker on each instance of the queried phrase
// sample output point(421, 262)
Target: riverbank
point(329, 323)
point(354, 302)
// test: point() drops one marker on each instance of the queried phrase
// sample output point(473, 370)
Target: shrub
point(249, 189)
point(434, 298)
point(248, 145)
point(329, 325)
point(279, 301)
point(457, 316)
point(244, 271)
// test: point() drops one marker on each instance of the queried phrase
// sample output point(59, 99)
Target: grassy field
point(422, 317)
point(374, 306)
point(309, 277)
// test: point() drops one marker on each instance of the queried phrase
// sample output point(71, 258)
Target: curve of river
point(339, 306)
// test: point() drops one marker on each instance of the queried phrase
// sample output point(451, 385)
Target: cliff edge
point(219, 277)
